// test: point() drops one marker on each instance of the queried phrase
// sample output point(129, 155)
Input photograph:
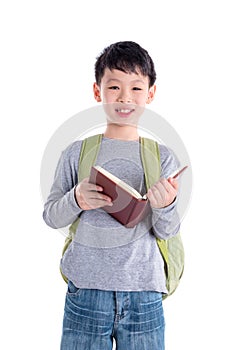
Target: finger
point(159, 189)
point(170, 187)
point(165, 185)
point(155, 197)
point(89, 186)
point(97, 203)
point(95, 188)
point(174, 183)
point(162, 192)
point(99, 196)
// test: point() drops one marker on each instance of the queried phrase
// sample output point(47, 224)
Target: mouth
point(124, 112)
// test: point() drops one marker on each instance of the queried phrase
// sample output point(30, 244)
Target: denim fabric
point(92, 318)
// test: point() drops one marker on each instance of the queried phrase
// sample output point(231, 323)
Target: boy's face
point(123, 94)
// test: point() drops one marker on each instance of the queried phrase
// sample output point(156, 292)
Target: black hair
point(128, 57)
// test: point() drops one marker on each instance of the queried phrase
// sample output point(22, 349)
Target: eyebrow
point(119, 81)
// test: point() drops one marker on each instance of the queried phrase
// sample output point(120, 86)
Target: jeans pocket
point(72, 290)
point(150, 301)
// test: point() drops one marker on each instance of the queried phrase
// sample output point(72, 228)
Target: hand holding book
point(89, 196)
point(164, 192)
point(129, 206)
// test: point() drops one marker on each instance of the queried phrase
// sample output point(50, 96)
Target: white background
point(48, 49)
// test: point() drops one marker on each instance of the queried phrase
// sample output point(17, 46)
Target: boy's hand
point(88, 196)
point(163, 193)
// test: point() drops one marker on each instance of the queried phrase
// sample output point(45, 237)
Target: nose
point(124, 97)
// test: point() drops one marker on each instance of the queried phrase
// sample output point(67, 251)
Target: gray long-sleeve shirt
point(104, 254)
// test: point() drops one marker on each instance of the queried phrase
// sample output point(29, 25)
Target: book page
point(121, 183)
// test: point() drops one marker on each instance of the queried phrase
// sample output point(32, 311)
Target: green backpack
point(172, 249)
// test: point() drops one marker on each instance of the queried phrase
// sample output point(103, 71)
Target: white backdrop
point(48, 50)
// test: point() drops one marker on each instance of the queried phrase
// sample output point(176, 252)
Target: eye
point(137, 88)
point(113, 87)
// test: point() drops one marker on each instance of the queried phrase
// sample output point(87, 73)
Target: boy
point(115, 274)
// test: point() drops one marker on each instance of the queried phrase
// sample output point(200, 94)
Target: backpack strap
point(150, 156)
point(88, 154)
point(172, 250)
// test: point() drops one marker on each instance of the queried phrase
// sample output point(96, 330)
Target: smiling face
point(124, 95)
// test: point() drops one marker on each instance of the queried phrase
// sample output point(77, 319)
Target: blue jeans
point(92, 318)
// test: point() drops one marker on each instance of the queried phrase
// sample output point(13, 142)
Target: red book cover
point(129, 207)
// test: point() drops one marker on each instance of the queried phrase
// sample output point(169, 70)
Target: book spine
point(140, 210)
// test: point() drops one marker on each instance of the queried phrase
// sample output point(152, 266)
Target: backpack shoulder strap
point(150, 156)
point(88, 155)
point(172, 250)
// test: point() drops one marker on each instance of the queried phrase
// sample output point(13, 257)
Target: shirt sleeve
point(61, 208)
point(166, 221)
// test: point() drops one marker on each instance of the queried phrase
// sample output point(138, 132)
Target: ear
point(97, 92)
point(151, 93)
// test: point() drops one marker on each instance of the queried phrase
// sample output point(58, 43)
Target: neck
point(128, 133)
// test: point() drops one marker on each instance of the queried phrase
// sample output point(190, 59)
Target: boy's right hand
point(88, 196)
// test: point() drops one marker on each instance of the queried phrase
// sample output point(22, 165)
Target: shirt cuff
point(74, 204)
point(165, 210)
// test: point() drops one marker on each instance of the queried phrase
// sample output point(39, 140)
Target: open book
point(129, 206)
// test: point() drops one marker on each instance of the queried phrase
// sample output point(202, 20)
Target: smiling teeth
point(124, 111)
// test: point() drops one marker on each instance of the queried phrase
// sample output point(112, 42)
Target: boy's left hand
point(163, 193)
